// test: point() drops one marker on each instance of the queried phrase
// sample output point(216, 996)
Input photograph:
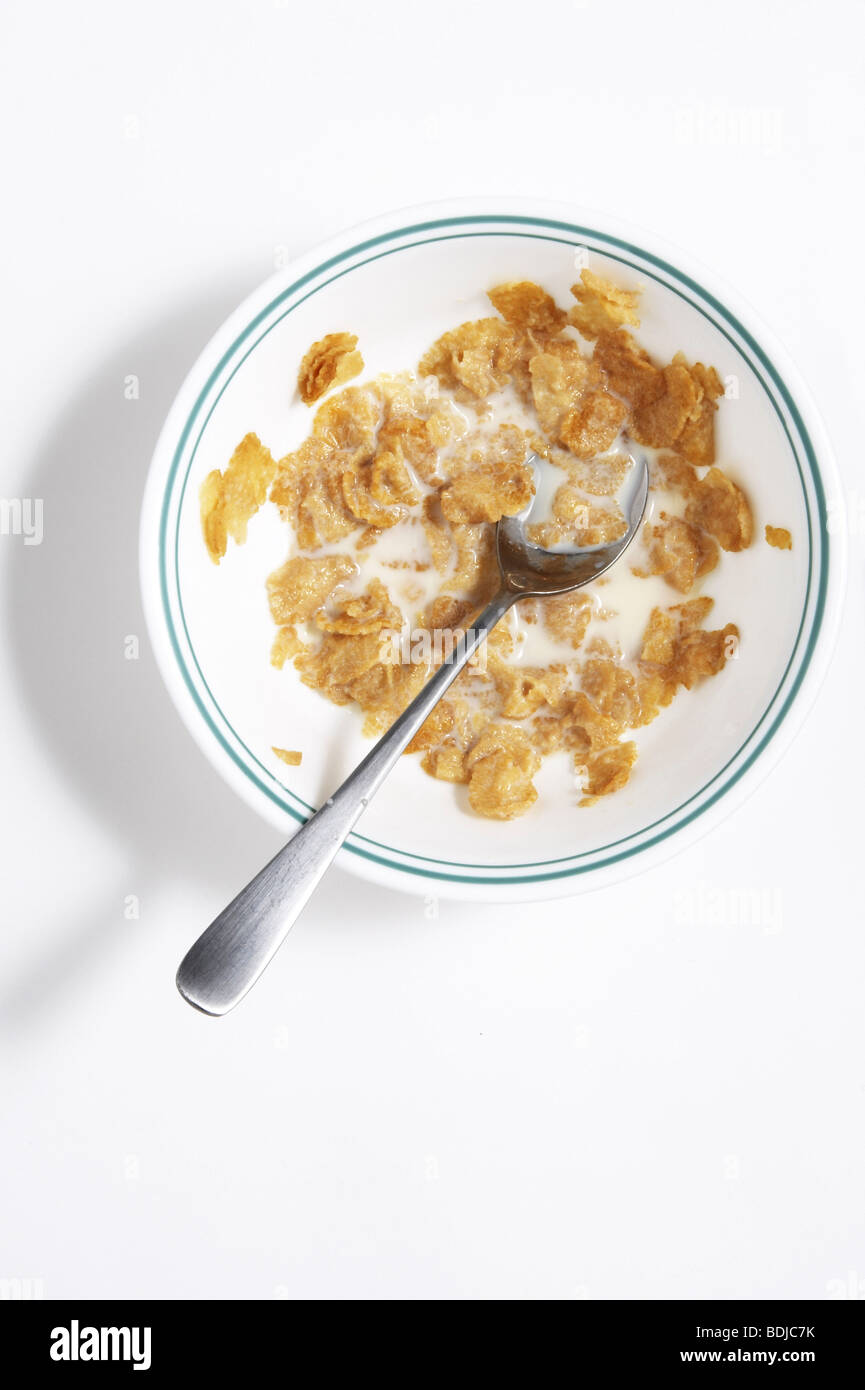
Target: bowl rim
point(578, 227)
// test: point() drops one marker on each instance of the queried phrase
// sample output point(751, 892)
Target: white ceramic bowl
point(398, 282)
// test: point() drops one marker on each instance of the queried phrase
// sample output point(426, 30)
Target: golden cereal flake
point(439, 726)
point(438, 533)
point(477, 356)
point(567, 617)
point(703, 654)
point(780, 537)
point(476, 570)
point(360, 500)
point(228, 500)
point(589, 728)
point(679, 651)
point(501, 766)
point(348, 423)
point(602, 476)
point(601, 305)
point(286, 644)
point(612, 690)
point(588, 524)
point(447, 762)
point(289, 756)
point(672, 472)
point(329, 362)
point(591, 427)
point(301, 587)
point(488, 493)
point(559, 376)
point(341, 662)
point(526, 305)
point(697, 440)
point(680, 551)
point(525, 689)
point(607, 771)
point(410, 438)
point(660, 422)
point(447, 613)
point(722, 509)
point(391, 481)
point(308, 491)
point(659, 639)
point(629, 368)
point(369, 612)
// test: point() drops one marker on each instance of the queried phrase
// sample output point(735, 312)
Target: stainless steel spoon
point(228, 958)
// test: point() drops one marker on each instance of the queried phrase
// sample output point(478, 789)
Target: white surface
point(651, 1093)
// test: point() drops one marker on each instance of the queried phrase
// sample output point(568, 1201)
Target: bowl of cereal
point(318, 529)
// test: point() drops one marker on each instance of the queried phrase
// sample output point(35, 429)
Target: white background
point(634, 1094)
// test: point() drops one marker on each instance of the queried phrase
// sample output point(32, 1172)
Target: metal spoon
point(229, 956)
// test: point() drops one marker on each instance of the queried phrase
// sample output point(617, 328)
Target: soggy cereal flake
point(697, 440)
point(476, 570)
point(592, 426)
point(488, 493)
point(300, 587)
point(630, 370)
point(670, 471)
point(660, 422)
point(703, 654)
point(476, 356)
point(438, 534)
point(501, 766)
point(722, 509)
point(369, 612)
point(341, 661)
point(667, 626)
point(391, 481)
point(607, 771)
point(410, 438)
point(228, 500)
point(601, 305)
point(448, 614)
point(659, 639)
point(567, 617)
point(447, 763)
point(289, 756)
point(361, 502)
point(780, 537)
point(526, 305)
point(308, 492)
point(348, 422)
point(679, 651)
point(680, 551)
point(612, 690)
point(524, 689)
point(286, 645)
point(435, 728)
point(559, 376)
point(329, 362)
point(602, 476)
point(589, 727)
point(590, 524)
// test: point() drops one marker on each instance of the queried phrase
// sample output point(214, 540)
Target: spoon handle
point(229, 956)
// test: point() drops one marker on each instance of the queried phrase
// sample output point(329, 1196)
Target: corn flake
point(329, 362)
point(601, 306)
point(229, 500)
